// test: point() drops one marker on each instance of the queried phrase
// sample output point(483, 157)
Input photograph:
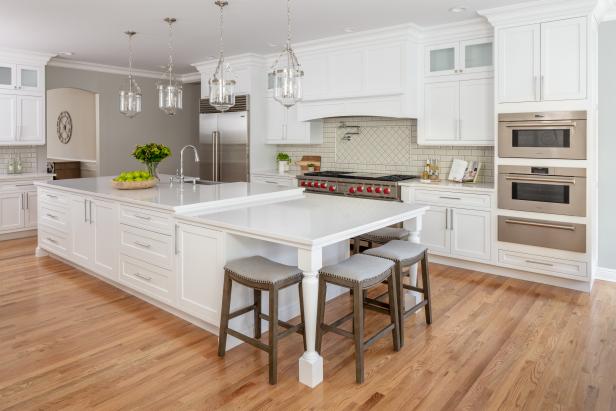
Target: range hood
point(375, 106)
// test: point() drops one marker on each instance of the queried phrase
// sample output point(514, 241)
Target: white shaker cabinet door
point(30, 120)
point(276, 121)
point(470, 233)
point(441, 117)
point(31, 207)
point(200, 272)
point(105, 238)
point(11, 211)
point(477, 111)
point(81, 238)
point(434, 232)
point(8, 118)
point(563, 59)
point(519, 54)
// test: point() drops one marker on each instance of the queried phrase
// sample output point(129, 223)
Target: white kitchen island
point(168, 245)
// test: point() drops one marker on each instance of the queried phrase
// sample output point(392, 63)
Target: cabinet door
point(435, 232)
point(30, 120)
point(81, 232)
point(276, 120)
point(31, 207)
point(442, 59)
point(477, 111)
point(563, 59)
point(476, 55)
point(519, 64)
point(105, 238)
point(200, 272)
point(470, 233)
point(8, 78)
point(29, 78)
point(346, 71)
point(11, 211)
point(8, 118)
point(316, 76)
point(296, 131)
point(383, 69)
point(441, 111)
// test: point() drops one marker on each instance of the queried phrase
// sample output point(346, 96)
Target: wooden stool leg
point(257, 312)
point(301, 312)
point(273, 335)
point(356, 245)
point(320, 313)
point(358, 333)
point(425, 278)
point(399, 279)
point(224, 316)
point(392, 288)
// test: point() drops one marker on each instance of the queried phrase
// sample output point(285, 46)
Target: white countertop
point(24, 176)
point(451, 185)
point(311, 220)
point(176, 197)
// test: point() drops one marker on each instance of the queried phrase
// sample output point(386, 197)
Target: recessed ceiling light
point(65, 53)
point(349, 30)
point(457, 9)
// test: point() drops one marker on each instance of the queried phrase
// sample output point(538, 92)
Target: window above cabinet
point(460, 57)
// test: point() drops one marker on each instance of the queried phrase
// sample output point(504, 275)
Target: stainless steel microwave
point(559, 134)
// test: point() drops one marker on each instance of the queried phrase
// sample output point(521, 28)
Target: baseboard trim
point(18, 234)
point(605, 274)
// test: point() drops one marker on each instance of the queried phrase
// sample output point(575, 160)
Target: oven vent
point(241, 104)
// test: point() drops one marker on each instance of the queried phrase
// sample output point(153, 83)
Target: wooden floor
point(70, 341)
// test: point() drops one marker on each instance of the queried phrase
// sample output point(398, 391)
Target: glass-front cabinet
point(21, 78)
point(467, 56)
point(7, 76)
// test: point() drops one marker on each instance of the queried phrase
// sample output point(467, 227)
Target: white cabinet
point(283, 127)
point(458, 112)
point(11, 211)
point(543, 62)
point(200, 272)
point(22, 120)
point(276, 179)
point(22, 78)
point(470, 233)
point(30, 209)
point(8, 78)
point(435, 230)
point(8, 118)
point(466, 56)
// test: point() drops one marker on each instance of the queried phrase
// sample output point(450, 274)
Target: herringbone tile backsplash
point(385, 145)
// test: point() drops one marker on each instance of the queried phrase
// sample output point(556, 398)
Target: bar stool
point(380, 237)
point(403, 254)
point(359, 273)
point(260, 274)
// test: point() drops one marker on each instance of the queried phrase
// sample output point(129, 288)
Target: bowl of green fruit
point(134, 180)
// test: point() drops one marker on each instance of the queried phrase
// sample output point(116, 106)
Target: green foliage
point(151, 153)
point(283, 157)
point(138, 175)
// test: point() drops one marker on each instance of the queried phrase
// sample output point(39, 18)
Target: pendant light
point(169, 88)
point(287, 72)
point(130, 93)
point(222, 88)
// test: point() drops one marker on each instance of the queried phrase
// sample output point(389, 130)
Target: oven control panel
point(373, 189)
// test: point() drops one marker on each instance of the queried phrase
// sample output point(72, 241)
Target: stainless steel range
point(366, 185)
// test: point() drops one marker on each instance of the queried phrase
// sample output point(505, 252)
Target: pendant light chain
point(170, 22)
point(168, 87)
point(130, 93)
point(130, 59)
point(222, 88)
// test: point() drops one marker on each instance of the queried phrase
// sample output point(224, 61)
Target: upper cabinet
point(283, 127)
point(467, 56)
point(23, 79)
point(543, 62)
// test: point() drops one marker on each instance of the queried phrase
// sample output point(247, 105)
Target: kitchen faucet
point(179, 177)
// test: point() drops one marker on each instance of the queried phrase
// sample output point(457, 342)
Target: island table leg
point(414, 226)
point(310, 363)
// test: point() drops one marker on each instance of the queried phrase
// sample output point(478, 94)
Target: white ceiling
point(92, 29)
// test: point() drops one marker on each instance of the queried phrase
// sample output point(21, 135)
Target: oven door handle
point(544, 225)
point(543, 124)
point(542, 180)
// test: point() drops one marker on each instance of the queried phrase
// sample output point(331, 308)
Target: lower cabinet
point(18, 211)
point(200, 271)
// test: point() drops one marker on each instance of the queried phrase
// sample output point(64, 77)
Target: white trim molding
point(25, 56)
point(605, 10)
point(538, 11)
point(606, 274)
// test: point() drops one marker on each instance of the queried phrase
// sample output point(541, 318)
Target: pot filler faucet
point(179, 177)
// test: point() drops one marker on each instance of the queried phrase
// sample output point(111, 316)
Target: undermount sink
point(206, 182)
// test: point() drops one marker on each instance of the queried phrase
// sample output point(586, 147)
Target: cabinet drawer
point(147, 219)
point(17, 186)
point(452, 198)
point(53, 198)
point(53, 241)
point(154, 248)
point(146, 278)
point(545, 265)
point(54, 217)
point(282, 181)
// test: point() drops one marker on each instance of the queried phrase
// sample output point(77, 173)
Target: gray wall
point(607, 145)
point(118, 134)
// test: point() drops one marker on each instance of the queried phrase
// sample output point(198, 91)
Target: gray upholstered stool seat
point(262, 270)
point(361, 269)
point(382, 235)
point(398, 251)
point(358, 273)
point(260, 274)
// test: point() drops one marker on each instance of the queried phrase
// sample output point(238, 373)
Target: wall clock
point(64, 127)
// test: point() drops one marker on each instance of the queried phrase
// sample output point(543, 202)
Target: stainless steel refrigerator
point(224, 146)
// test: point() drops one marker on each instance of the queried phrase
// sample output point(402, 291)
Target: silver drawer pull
point(545, 225)
point(51, 240)
point(143, 217)
point(539, 263)
point(144, 245)
point(55, 217)
point(542, 180)
point(52, 196)
point(24, 185)
point(143, 277)
point(450, 198)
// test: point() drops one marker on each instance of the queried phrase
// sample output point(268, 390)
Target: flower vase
point(153, 169)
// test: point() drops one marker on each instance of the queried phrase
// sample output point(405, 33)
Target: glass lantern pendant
point(130, 93)
point(169, 88)
point(287, 72)
point(222, 87)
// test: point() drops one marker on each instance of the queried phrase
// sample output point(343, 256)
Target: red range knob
point(360, 189)
point(378, 190)
point(303, 184)
point(323, 185)
point(369, 189)
point(332, 188)
point(387, 190)
point(309, 183)
point(351, 190)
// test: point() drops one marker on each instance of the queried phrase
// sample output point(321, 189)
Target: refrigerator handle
point(214, 156)
point(218, 156)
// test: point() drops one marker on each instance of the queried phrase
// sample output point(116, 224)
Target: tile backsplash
point(33, 158)
point(385, 145)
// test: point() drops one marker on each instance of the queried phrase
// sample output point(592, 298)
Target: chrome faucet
point(179, 177)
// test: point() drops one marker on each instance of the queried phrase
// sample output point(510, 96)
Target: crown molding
point(109, 69)
point(25, 56)
point(605, 10)
point(237, 61)
point(473, 28)
point(537, 11)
